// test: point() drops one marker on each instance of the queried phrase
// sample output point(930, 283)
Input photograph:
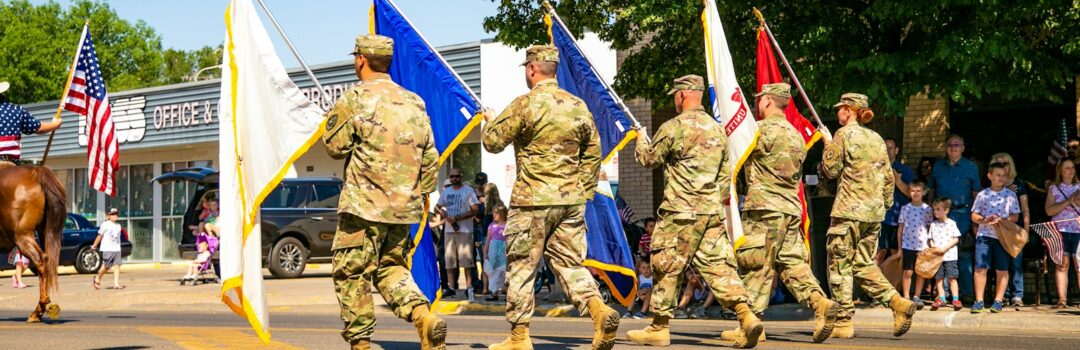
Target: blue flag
point(450, 103)
point(608, 253)
point(577, 76)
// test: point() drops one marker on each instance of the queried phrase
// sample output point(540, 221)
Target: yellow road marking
point(199, 338)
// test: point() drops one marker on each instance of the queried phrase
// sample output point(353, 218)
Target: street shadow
point(46, 321)
point(394, 345)
point(120, 316)
point(305, 275)
point(136, 347)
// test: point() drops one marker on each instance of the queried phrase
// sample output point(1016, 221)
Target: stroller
point(206, 272)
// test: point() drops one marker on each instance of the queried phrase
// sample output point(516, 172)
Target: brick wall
point(926, 126)
point(1078, 102)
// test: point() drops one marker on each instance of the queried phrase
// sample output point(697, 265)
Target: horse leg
point(28, 247)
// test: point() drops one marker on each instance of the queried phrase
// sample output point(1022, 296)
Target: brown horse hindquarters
point(32, 198)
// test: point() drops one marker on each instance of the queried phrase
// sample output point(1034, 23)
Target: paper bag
point(1012, 237)
point(893, 268)
point(928, 262)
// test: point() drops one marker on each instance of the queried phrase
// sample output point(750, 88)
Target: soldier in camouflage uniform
point(772, 216)
point(384, 134)
point(557, 148)
point(856, 157)
point(692, 147)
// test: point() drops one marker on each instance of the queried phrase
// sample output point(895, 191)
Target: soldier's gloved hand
point(488, 113)
point(642, 132)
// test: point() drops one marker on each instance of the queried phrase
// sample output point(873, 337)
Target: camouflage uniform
point(772, 212)
point(384, 133)
point(857, 157)
point(692, 148)
point(557, 149)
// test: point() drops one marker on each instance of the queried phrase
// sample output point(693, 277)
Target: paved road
point(179, 330)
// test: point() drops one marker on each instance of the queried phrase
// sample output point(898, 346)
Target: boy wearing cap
point(557, 148)
point(692, 148)
point(15, 122)
point(109, 239)
point(387, 176)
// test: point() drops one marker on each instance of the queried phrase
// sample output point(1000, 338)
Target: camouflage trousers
point(682, 239)
point(557, 232)
point(851, 246)
point(380, 258)
point(783, 252)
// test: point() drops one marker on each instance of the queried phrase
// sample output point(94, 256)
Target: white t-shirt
point(915, 220)
point(457, 203)
point(943, 233)
point(110, 236)
point(1001, 203)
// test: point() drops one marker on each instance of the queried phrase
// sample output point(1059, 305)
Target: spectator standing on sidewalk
point(21, 264)
point(957, 178)
point(108, 239)
point(1063, 203)
point(459, 205)
point(887, 243)
point(1014, 294)
point(993, 204)
point(495, 253)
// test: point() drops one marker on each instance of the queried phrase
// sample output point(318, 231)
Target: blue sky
point(322, 30)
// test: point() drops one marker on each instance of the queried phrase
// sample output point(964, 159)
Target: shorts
point(949, 269)
point(887, 238)
point(909, 259)
point(110, 259)
point(1069, 242)
point(459, 250)
point(990, 254)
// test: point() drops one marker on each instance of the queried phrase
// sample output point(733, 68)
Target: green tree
point(37, 44)
point(993, 51)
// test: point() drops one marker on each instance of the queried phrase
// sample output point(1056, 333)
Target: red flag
point(768, 72)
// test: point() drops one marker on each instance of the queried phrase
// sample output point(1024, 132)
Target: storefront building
point(162, 129)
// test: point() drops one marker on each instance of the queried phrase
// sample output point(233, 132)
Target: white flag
point(266, 123)
point(729, 108)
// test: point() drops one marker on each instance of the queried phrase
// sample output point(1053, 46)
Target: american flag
point(87, 97)
point(1057, 148)
point(1051, 237)
point(625, 212)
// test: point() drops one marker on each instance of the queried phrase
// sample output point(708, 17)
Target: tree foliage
point(37, 45)
point(987, 51)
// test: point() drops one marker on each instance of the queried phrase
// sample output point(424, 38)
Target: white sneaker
point(470, 294)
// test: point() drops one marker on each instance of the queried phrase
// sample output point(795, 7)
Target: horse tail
point(55, 215)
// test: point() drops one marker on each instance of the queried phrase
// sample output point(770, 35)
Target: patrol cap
point(853, 99)
point(541, 53)
point(776, 89)
point(373, 44)
point(688, 82)
point(4, 86)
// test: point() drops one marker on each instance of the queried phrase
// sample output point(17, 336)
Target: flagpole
point(322, 93)
point(794, 78)
point(614, 95)
point(439, 55)
point(67, 85)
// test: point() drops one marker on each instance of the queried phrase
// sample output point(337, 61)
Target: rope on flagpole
point(795, 79)
point(322, 93)
point(618, 100)
point(67, 85)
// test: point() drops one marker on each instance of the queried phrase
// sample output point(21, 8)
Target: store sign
point(182, 115)
point(127, 117)
point(333, 91)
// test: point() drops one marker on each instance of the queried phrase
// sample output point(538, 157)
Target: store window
point(82, 199)
point(134, 199)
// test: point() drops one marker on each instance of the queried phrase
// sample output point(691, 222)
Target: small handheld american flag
point(1051, 237)
point(86, 96)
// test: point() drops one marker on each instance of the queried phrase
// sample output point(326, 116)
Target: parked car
point(79, 235)
point(299, 219)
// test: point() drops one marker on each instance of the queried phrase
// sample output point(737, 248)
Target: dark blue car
point(79, 235)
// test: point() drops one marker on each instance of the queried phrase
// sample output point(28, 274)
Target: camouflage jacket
point(693, 149)
point(857, 158)
point(556, 146)
point(385, 135)
point(774, 168)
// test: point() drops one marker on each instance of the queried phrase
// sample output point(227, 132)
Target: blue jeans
point(1016, 278)
point(965, 257)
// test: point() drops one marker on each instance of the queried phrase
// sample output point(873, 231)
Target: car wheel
point(87, 260)
point(288, 258)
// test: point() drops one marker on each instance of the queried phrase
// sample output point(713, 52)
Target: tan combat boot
point(432, 329)
point(750, 325)
point(605, 324)
point(843, 329)
point(825, 312)
point(518, 339)
point(902, 310)
point(731, 335)
point(656, 334)
point(361, 344)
